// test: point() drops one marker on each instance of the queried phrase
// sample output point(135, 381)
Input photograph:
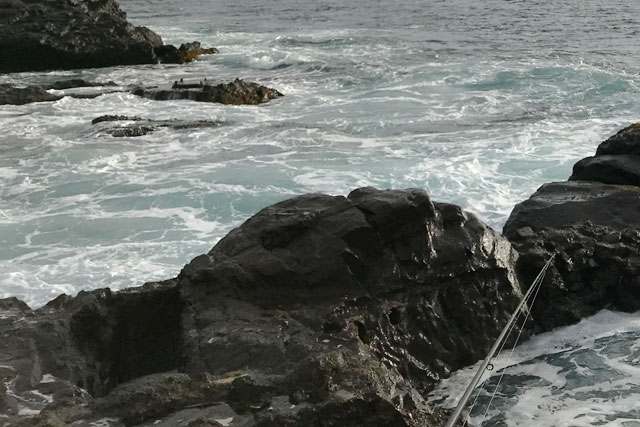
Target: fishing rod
point(455, 415)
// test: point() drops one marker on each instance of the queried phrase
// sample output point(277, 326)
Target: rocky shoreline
point(319, 310)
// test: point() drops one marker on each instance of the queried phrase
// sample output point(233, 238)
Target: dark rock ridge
point(593, 221)
point(68, 34)
point(141, 127)
point(319, 310)
point(237, 92)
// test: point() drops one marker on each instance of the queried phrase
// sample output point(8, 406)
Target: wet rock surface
point(597, 267)
point(73, 34)
point(319, 310)
point(617, 160)
point(559, 204)
point(238, 92)
point(595, 228)
point(140, 127)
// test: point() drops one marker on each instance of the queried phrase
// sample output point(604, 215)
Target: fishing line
point(495, 390)
point(499, 343)
point(537, 283)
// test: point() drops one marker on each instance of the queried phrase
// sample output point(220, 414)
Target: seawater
point(582, 375)
point(477, 102)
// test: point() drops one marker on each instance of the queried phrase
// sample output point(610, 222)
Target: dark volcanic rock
point(617, 160)
point(627, 141)
point(114, 118)
point(559, 204)
point(387, 271)
point(24, 95)
point(237, 92)
point(68, 34)
point(319, 310)
point(597, 267)
point(622, 169)
point(593, 226)
point(143, 127)
point(187, 52)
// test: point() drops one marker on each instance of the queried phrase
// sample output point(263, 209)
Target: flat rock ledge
point(70, 34)
point(21, 95)
point(593, 222)
point(319, 310)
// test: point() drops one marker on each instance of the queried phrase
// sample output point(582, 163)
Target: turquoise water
point(478, 102)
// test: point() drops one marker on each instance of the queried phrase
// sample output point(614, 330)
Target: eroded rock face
point(382, 288)
point(597, 267)
point(319, 310)
point(68, 34)
point(237, 92)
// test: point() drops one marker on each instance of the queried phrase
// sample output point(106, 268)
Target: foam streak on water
point(477, 102)
point(582, 375)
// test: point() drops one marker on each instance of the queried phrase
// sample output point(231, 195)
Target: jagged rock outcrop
point(595, 227)
point(237, 92)
point(187, 52)
point(68, 34)
point(597, 267)
point(140, 127)
point(319, 310)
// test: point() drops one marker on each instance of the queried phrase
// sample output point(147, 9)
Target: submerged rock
point(319, 310)
point(16, 95)
point(237, 92)
point(76, 83)
point(24, 95)
point(50, 34)
point(141, 127)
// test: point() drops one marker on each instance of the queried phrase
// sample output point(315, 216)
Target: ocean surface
point(477, 102)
